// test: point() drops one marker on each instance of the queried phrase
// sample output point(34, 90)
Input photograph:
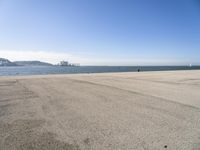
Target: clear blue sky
point(102, 32)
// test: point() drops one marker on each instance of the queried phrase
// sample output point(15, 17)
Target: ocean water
point(42, 70)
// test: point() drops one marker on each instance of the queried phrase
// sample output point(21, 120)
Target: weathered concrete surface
point(144, 111)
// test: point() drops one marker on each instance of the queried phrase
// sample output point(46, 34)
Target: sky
point(101, 32)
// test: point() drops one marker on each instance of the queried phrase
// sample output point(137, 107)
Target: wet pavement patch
point(4, 109)
point(22, 135)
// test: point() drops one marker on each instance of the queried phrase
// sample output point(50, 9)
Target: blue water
point(38, 70)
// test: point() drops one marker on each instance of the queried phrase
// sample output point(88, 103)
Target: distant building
point(66, 63)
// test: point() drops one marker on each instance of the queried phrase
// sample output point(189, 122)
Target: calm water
point(10, 71)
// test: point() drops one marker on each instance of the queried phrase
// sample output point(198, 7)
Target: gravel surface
point(109, 111)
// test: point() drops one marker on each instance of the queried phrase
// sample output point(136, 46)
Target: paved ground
point(121, 111)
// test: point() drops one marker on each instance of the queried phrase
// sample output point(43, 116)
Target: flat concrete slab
point(112, 111)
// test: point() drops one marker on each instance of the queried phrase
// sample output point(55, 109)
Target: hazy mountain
point(32, 63)
point(6, 62)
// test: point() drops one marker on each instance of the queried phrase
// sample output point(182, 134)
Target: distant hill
point(32, 63)
point(6, 62)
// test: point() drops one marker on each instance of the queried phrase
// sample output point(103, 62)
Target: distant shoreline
point(7, 63)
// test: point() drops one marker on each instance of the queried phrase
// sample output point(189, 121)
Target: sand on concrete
point(113, 111)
